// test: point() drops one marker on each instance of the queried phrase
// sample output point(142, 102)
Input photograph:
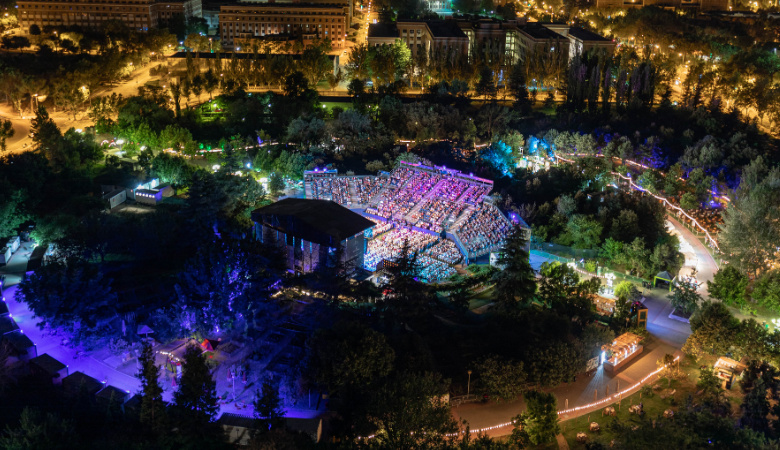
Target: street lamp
point(468, 385)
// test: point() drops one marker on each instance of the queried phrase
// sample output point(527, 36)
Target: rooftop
point(538, 31)
point(382, 30)
point(18, 341)
point(323, 216)
point(3, 309)
point(75, 379)
point(439, 28)
point(106, 393)
point(48, 364)
point(585, 35)
point(7, 325)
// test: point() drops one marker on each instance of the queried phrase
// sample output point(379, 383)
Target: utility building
point(312, 232)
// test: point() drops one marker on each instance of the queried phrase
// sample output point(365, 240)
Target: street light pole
point(468, 385)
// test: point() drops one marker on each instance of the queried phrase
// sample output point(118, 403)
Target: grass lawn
point(654, 405)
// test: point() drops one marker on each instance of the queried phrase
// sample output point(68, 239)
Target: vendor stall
point(623, 349)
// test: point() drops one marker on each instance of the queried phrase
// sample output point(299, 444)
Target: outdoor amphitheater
point(443, 215)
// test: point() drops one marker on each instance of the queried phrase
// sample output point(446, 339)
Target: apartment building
point(243, 22)
point(700, 5)
point(139, 15)
point(515, 39)
point(421, 35)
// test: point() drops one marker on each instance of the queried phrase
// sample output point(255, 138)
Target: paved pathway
point(562, 444)
point(706, 267)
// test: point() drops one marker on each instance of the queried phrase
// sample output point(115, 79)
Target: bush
point(591, 266)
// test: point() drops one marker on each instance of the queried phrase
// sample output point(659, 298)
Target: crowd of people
point(433, 253)
point(420, 197)
point(445, 251)
point(484, 229)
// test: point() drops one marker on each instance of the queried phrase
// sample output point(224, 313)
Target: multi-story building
point(421, 35)
point(514, 39)
point(701, 5)
point(308, 21)
point(137, 14)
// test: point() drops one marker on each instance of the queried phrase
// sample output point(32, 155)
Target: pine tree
point(195, 404)
point(268, 414)
point(204, 200)
point(516, 282)
point(152, 406)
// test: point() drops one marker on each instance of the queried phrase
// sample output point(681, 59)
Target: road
point(64, 120)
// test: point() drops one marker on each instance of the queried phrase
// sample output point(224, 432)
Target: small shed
point(148, 196)
point(239, 428)
point(72, 383)
point(45, 365)
point(5, 255)
point(166, 190)
point(621, 351)
point(7, 325)
point(3, 309)
point(115, 197)
point(104, 395)
point(22, 348)
point(14, 243)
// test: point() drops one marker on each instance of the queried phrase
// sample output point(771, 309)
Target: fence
point(601, 272)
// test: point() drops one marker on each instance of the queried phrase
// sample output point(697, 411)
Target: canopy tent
point(144, 330)
point(664, 276)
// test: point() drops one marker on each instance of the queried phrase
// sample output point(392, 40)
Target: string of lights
point(609, 399)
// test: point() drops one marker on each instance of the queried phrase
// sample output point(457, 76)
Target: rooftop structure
point(623, 349)
point(312, 231)
point(49, 367)
point(72, 383)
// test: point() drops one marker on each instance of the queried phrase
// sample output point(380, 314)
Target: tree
point(755, 408)
point(729, 285)
point(276, 184)
point(71, 296)
point(195, 403)
point(767, 290)
point(359, 60)
point(684, 297)
point(204, 200)
point(594, 337)
point(315, 63)
point(268, 410)
point(581, 232)
point(47, 136)
point(12, 210)
point(408, 412)
point(6, 131)
point(502, 379)
point(37, 431)
point(152, 406)
point(708, 382)
point(516, 281)
point(689, 201)
point(539, 424)
point(348, 355)
point(713, 329)
point(486, 87)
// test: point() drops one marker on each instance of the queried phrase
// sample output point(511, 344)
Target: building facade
point(140, 15)
point(312, 232)
point(515, 40)
point(700, 5)
point(137, 14)
point(309, 21)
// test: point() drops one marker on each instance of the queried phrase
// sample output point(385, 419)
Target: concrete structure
point(148, 196)
point(243, 22)
point(47, 366)
point(312, 231)
point(7, 325)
